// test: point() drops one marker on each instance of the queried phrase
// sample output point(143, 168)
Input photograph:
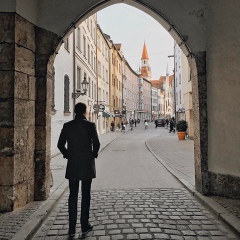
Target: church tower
point(145, 68)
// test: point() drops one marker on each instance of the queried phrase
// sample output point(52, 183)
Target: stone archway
point(28, 41)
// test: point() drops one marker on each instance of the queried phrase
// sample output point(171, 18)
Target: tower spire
point(144, 52)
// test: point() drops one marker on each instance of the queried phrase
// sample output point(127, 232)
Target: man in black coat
point(82, 149)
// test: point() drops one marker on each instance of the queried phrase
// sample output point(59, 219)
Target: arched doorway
point(28, 43)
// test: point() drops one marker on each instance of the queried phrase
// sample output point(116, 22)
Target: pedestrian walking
point(131, 124)
point(135, 122)
point(82, 149)
point(156, 123)
point(146, 124)
point(167, 121)
point(172, 125)
point(112, 126)
point(123, 127)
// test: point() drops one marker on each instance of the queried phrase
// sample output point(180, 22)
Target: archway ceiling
point(184, 19)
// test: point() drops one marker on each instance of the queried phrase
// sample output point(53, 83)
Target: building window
point(99, 94)
point(89, 87)
point(91, 29)
point(106, 75)
point(53, 91)
point(103, 73)
point(66, 44)
point(78, 78)
point(180, 78)
point(94, 36)
point(88, 23)
point(88, 54)
point(79, 38)
point(84, 46)
point(180, 97)
point(99, 68)
point(92, 91)
point(98, 42)
point(106, 98)
point(66, 93)
point(95, 92)
point(106, 53)
point(92, 59)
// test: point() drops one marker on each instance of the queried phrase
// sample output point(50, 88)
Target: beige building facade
point(103, 76)
point(115, 81)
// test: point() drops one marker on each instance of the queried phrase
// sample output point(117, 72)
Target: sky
point(131, 27)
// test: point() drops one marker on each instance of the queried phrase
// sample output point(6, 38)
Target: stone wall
point(17, 111)
point(26, 59)
point(46, 43)
point(199, 86)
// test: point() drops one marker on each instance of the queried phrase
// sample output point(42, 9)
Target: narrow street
point(135, 197)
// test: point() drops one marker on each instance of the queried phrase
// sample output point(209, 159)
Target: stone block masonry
point(24, 142)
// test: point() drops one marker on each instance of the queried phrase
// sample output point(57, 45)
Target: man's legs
point(85, 205)
point(72, 205)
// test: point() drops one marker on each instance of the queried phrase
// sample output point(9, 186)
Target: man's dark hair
point(80, 108)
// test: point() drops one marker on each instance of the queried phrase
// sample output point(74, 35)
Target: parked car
point(160, 122)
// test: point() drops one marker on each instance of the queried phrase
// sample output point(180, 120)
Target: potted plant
point(181, 127)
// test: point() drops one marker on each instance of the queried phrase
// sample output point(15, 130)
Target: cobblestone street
point(140, 214)
point(135, 197)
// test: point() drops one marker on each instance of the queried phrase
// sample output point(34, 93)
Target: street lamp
point(78, 92)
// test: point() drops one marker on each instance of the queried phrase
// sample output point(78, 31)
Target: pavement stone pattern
point(11, 222)
point(180, 157)
point(232, 205)
point(139, 214)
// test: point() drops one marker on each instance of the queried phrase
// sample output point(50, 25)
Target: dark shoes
point(71, 235)
point(87, 229)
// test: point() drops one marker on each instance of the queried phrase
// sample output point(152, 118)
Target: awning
point(107, 114)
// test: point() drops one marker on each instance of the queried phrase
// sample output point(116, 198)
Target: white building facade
point(183, 89)
point(85, 64)
point(130, 91)
point(62, 109)
point(155, 102)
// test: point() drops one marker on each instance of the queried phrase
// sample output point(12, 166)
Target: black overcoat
point(82, 148)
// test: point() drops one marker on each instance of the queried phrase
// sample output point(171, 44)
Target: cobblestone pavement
point(179, 156)
point(11, 222)
point(139, 214)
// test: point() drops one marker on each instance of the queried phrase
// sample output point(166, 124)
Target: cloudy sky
point(131, 27)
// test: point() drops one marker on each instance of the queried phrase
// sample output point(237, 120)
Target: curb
point(39, 216)
point(217, 210)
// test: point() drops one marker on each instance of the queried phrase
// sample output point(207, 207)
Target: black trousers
point(73, 202)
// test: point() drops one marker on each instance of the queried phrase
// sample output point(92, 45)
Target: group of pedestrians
point(171, 123)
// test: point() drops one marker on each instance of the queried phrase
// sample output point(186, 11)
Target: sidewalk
point(21, 223)
point(178, 157)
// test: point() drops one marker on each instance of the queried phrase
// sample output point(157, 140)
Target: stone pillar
point(17, 111)
point(26, 60)
point(199, 85)
point(46, 43)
